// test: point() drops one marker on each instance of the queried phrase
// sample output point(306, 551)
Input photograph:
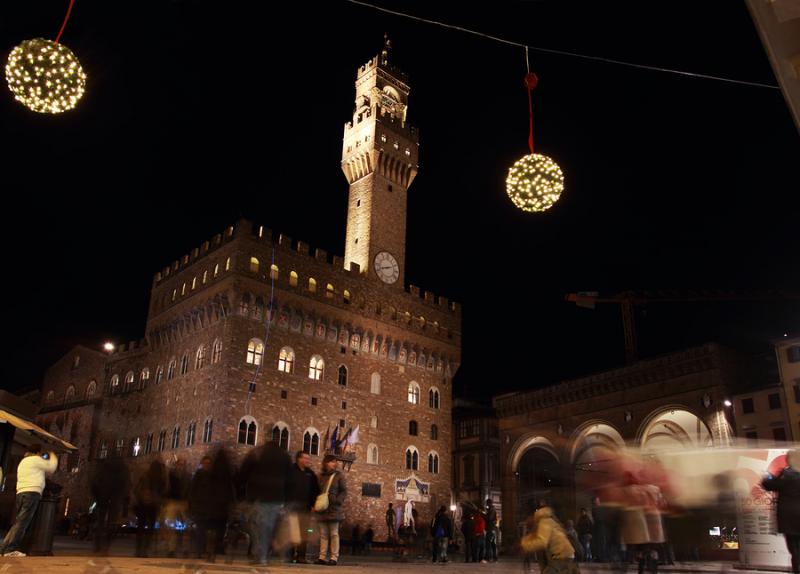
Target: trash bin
point(40, 536)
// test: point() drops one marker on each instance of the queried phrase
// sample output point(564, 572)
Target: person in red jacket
point(479, 529)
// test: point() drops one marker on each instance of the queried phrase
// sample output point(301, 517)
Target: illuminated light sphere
point(45, 76)
point(535, 182)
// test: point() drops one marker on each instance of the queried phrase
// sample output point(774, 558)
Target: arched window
point(103, 450)
point(70, 396)
point(433, 398)
point(286, 360)
point(273, 271)
point(216, 269)
point(205, 276)
point(176, 437)
point(434, 432)
point(200, 357)
point(91, 389)
point(129, 377)
point(159, 374)
point(248, 430)
point(162, 440)
point(148, 444)
point(373, 421)
point(228, 264)
point(171, 369)
point(190, 432)
point(316, 368)
point(216, 353)
point(244, 305)
point(413, 393)
point(255, 352)
point(114, 387)
point(375, 384)
point(183, 289)
point(412, 428)
point(280, 435)
point(185, 364)
point(311, 441)
point(433, 462)
point(346, 296)
point(174, 293)
point(208, 427)
point(372, 454)
point(254, 265)
point(343, 375)
point(312, 285)
point(412, 458)
point(194, 283)
point(144, 376)
point(293, 279)
point(258, 309)
point(329, 291)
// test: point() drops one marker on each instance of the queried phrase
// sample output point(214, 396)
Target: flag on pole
point(354, 435)
point(343, 441)
point(327, 437)
point(333, 438)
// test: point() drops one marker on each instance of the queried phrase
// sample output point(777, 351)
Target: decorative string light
point(535, 181)
point(45, 76)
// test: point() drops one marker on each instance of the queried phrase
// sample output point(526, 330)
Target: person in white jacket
point(30, 484)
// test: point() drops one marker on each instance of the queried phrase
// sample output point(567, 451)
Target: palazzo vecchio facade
point(251, 337)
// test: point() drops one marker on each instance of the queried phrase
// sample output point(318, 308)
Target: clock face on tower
point(386, 267)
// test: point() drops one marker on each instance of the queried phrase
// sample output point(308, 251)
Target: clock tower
point(379, 158)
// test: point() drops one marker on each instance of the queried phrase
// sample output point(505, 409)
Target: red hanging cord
point(530, 82)
point(66, 18)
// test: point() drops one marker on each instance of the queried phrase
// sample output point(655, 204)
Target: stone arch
point(674, 426)
point(525, 443)
point(592, 433)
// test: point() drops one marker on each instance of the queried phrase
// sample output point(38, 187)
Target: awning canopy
point(34, 430)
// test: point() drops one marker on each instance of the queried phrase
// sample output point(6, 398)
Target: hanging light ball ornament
point(45, 76)
point(534, 183)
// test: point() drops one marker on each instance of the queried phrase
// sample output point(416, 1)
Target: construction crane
point(627, 300)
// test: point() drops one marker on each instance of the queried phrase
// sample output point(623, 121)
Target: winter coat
point(787, 485)
point(491, 519)
point(442, 521)
point(336, 496)
point(479, 525)
point(303, 488)
point(549, 536)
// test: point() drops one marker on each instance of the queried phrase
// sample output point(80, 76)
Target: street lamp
point(108, 347)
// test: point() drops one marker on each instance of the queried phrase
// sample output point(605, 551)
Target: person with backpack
point(548, 536)
point(442, 531)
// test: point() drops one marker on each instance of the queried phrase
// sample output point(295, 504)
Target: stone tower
point(379, 158)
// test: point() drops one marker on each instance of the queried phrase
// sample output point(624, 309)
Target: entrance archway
point(674, 428)
point(594, 453)
point(539, 476)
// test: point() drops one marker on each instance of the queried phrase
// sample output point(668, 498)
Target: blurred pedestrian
point(211, 496)
point(491, 531)
point(549, 537)
point(442, 530)
point(303, 491)
point(110, 487)
point(787, 485)
point(148, 495)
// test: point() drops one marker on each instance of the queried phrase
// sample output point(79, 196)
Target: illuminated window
point(183, 289)
point(293, 279)
point(228, 264)
point(216, 269)
point(255, 352)
point(286, 360)
point(312, 284)
point(174, 294)
point(114, 388)
point(273, 271)
point(129, 377)
point(254, 265)
point(316, 368)
point(91, 389)
point(102, 452)
point(216, 353)
point(200, 357)
point(413, 393)
point(159, 374)
point(329, 291)
point(346, 296)
point(205, 277)
point(194, 283)
point(144, 376)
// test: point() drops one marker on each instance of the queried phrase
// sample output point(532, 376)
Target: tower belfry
point(380, 152)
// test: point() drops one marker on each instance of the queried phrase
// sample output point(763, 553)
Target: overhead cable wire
point(563, 52)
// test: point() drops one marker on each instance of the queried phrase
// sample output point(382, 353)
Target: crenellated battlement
point(374, 64)
point(385, 121)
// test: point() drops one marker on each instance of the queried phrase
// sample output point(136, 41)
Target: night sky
point(198, 113)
